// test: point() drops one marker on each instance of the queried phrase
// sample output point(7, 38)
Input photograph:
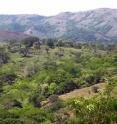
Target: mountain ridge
point(93, 25)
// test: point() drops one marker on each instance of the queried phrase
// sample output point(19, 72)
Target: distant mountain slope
point(99, 24)
point(5, 35)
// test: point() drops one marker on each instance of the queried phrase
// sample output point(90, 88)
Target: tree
point(30, 70)
point(28, 42)
point(36, 46)
point(24, 52)
point(47, 50)
point(94, 79)
point(12, 103)
point(50, 43)
point(60, 43)
point(35, 101)
point(4, 57)
point(53, 87)
point(8, 78)
point(54, 103)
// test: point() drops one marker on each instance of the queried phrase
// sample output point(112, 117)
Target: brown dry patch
point(82, 92)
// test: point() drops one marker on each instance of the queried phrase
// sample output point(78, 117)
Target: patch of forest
point(35, 72)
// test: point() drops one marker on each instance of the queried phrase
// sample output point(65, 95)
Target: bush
point(30, 70)
point(95, 110)
point(10, 121)
point(95, 89)
point(12, 103)
point(40, 116)
point(28, 42)
point(24, 52)
point(93, 79)
point(4, 57)
point(35, 101)
point(53, 98)
point(54, 103)
point(4, 114)
point(8, 78)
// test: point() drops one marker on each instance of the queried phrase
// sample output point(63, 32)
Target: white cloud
point(52, 7)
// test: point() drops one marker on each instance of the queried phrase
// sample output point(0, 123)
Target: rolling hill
point(92, 25)
point(6, 35)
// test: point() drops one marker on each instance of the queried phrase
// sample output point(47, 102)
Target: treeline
point(51, 43)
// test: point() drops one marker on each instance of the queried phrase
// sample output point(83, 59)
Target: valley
point(53, 81)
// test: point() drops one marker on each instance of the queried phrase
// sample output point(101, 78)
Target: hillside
point(83, 92)
point(99, 24)
point(6, 35)
point(36, 81)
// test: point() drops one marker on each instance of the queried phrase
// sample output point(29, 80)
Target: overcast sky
point(52, 7)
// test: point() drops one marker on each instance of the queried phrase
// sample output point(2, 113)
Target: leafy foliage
point(31, 82)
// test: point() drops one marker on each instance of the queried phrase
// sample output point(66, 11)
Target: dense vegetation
point(34, 72)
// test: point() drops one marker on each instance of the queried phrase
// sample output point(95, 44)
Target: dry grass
point(82, 92)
